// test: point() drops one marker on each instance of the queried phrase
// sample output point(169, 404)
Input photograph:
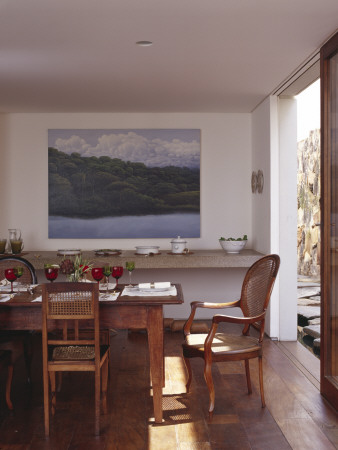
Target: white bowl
point(146, 249)
point(232, 246)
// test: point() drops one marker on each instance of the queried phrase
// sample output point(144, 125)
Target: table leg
point(155, 343)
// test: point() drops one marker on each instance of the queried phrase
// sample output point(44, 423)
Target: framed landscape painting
point(123, 183)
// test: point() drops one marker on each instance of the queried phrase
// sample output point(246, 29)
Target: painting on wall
point(123, 183)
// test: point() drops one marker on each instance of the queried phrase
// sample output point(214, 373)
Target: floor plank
point(296, 415)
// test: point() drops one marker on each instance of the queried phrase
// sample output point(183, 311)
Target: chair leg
point(9, 386)
point(46, 401)
point(248, 378)
point(260, 365)
point(188, 366)
point(104, 384)
point(210, 385)
point(97, 402)
point(52, 378)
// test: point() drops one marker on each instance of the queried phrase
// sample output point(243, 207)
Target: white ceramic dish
point(146, 249)
point(232, 246)
point(69, 252)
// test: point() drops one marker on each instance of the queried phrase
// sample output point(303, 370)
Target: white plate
point(155, 289)
point(70, 252)
point(146, 249)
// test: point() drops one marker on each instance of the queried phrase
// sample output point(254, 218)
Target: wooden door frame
point(328, 387)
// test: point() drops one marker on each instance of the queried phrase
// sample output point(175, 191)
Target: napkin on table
point(139, 292)
point(111, 296)
point(157, 285)
point(5, 298)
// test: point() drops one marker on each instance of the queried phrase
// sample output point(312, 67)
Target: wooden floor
point(296, 415)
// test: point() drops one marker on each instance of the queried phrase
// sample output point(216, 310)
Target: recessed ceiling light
point(144, 43)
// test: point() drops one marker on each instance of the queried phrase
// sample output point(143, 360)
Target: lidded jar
point(178, 245)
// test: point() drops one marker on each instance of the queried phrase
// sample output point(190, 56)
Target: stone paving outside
point(308, 311)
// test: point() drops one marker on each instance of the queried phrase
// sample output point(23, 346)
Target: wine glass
point(51, 272)
point(107, 271)
point(18, 273)
point(130, 266)
point(10, 276)
point(117, 273)
point(97, 273)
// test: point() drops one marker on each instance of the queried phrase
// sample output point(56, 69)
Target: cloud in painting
point(155, 152)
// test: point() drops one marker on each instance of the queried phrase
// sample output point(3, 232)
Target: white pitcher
point(14, 234)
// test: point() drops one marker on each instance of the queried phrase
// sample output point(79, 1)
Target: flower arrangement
point(75, 270)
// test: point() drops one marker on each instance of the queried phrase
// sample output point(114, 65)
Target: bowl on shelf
point(231, 246)
point(147, 249)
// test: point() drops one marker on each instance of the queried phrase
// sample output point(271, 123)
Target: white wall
point(261, 211)
point(225, 174)
point(287, 113)
point(225, 189)
point(3, 174)
point(274, 218)
point(265, 211)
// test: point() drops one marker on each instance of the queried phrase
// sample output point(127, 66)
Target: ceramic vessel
point(232, 246)
point(178, 245)
point(146, 249)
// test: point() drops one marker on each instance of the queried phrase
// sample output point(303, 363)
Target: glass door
point(329, 229)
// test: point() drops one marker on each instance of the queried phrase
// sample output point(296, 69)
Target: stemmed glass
point(10, 276)
point(18, 273)
point(51, 272)
point(130, 266)
point(97, 273)
point(107, 271)
point(117, 272)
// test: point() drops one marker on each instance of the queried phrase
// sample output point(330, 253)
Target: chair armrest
point(208, 305)
point(218, 318)
point(246, 321)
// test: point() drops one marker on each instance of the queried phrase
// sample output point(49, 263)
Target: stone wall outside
point(308, 195)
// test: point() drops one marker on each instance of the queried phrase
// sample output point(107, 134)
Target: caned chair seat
point(223, 343)
point(218, 347)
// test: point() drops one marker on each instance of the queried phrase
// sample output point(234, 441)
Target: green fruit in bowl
point(244, 238)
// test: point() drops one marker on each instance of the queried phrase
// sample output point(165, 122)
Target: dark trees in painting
point(91, 187)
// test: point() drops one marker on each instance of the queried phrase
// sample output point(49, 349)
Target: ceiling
point(207, 55)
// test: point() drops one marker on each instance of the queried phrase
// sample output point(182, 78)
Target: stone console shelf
point(199, 259)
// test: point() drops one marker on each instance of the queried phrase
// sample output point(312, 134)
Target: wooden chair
point(70, 306)
point(9, 337)
point(7, 363)
point(216, 347)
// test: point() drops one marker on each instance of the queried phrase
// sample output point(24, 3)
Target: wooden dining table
point(126, 312)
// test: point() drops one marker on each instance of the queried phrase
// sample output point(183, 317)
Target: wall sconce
point(257, 182)
point(260, 181)
point(254, 182)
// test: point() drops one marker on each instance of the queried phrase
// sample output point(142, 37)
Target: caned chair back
point(9, 262)
point(257, 285)
point(71, 307)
